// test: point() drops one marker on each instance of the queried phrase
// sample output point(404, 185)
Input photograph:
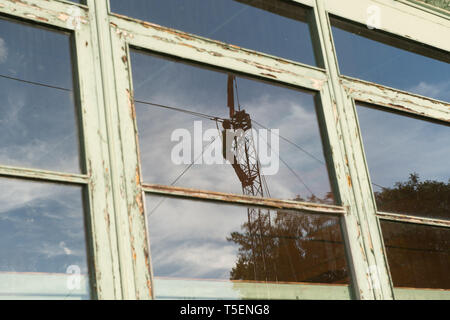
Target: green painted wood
point(118, 207)
point(399, 18)
point(28, 173)
point(132, 190)
point(102, 237)
point(395, 99)
point(370, 268)
point(42, 286)
point(191, 47)
point(53, 13)
point(204, 289)
point(421, 294)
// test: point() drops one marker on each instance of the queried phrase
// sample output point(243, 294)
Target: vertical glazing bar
point(370, 268)
point(115, 174)
point(131, 170)
point(102, 226)
point(101, 223)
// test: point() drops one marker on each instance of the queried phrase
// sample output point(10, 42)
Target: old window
point(37, 108)
point(411, 178)
point(408, 165)
point(184, 117)
point(203, 250)
point(181, 114)
point(43, 242)
point(261, 148)
point(403, 137)
point(279, 28)
point(42, 224)
point(395, 62)
point(418, 255)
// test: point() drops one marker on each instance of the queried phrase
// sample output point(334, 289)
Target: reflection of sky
point(189, 238)
point(174, 84)
point(37, 124)
point(42, 227)
point(374, 61)
point(41, 235)
point(397, 146)
point(230, 22)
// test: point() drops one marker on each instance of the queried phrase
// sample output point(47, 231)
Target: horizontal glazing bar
point(45, 286)
point(395, 99)
point(182, 45)
point(244, 200)
point(411, 219)
point(203, 289)
point(396, 18)
point(421, 294)
point(43, 175)
point(56, 13)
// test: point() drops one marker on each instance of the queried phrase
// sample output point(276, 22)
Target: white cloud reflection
point(397, 146)
point(439, 90)
point(42, 226)
point(292, 112)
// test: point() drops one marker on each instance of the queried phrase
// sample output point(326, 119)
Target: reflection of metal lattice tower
point(239, 150)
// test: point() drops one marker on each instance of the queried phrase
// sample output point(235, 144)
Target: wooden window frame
point(120, 261)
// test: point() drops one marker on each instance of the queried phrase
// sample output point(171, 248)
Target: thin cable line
point(290, 169)
point(297, 146)
point(207, 116)
point(237, 93)
point(218, 119)
point(34, 83)
point(290, 142)
point(194, 113)
point(377, 185)
point(182, 174)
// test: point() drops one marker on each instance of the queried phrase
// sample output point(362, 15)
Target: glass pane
point(386, 60)
point(43, 246)
point(38, 126)
point(418, 255)
point(408, 163)
point(274, 27)
point(224, 247)
point(292, 164)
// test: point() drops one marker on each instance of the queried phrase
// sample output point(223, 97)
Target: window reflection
point(275, 27)
point(294, 166)
point(407, 162)
point(387, 60)
point(38, 126)
point(198, 241)
point(42, 240)
point(418, 255)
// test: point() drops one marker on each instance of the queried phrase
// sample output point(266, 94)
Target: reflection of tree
point(297, 247)
point(419, 255)
point(290, 247)
point(414, 197)
point(328, 199)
